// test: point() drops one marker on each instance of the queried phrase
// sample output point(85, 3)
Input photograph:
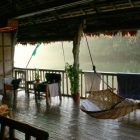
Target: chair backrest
point(53, 77)
point(27, 129)
point(128, 85)
point(22, 75)
point(16, 83)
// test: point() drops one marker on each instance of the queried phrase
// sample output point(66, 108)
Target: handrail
point(110, 79)
point(27, 129)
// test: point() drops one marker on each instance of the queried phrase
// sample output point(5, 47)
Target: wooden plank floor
point(66, 121)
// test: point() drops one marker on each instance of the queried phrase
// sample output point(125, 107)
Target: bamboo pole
point(76, 46)
point(76, 50)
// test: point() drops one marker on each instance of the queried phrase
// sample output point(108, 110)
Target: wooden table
point(28, 86)
point(47, 90)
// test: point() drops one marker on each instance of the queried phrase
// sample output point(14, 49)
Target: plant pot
point(37, 80)
point(76, 97)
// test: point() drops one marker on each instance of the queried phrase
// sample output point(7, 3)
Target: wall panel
point(6, 56)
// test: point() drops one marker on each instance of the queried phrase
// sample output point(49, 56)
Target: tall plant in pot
point(73, 75)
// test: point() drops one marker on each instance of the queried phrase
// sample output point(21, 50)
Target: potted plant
point(73, 75)
point(36, 75)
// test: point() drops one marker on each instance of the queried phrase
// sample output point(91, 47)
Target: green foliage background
point(110, 54)
point(113, 54)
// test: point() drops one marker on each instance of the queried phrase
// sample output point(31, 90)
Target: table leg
point(47, 96)
point(60, 96)
point(26, 87)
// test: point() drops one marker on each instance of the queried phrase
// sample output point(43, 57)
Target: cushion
point(89, 106)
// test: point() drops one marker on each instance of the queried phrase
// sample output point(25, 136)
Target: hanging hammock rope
point(94, 67)
point(105, 104)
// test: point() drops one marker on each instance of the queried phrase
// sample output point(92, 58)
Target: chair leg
point(36, 94)
point(60, 96)
point(48, 100)
point(14, 93)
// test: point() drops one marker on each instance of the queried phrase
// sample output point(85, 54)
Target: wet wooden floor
point(66, 121)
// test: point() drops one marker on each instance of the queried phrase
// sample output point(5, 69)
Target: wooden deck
point(66, 121)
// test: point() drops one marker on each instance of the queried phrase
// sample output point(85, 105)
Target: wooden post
point(7, 56)
point(76, 46)
point(76, 49)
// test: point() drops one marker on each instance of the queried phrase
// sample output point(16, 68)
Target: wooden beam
point(76, 46)
point(55, 8)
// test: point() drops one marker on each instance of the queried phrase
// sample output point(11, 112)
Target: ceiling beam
point(48, 10)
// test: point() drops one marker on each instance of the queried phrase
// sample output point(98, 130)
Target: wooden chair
point(21, 74)
point(13, 86)
point(27, 129)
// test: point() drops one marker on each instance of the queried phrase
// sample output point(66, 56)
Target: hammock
point(104, 104)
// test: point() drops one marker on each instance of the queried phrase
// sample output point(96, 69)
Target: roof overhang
point(58, 20)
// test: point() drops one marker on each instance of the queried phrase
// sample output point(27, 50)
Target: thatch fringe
point(113, 33)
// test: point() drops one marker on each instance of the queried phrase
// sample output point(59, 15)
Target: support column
point(76, 47)
point(76, 50)
point(7, 39)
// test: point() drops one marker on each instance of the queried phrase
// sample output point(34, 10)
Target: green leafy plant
point(36, 74)
point(73, 75)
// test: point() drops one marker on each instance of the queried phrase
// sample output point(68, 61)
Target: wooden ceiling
point(57, 20)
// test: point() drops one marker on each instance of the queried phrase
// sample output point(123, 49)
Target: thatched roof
point(56, 20)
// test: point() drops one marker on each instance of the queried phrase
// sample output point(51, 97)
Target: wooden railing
point(107, 79)
point(28, 130)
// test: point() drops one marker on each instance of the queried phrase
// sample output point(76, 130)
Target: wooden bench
point(27, 129)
